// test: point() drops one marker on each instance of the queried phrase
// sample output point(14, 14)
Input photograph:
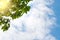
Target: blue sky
point(40, 23)
point(56, 8)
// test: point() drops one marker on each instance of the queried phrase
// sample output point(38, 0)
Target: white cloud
point(36, 25)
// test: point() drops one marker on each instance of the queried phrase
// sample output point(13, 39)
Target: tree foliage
point(16, 10)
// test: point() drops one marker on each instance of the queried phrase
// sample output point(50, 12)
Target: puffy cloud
point(35, 25)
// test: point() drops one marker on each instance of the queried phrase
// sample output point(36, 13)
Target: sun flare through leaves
point(4, 4)
point(13, 9)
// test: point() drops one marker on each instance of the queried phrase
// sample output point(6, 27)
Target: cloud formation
point(35, 25)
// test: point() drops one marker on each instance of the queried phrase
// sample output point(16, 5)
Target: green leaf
point(25, 9)
point(5, 27)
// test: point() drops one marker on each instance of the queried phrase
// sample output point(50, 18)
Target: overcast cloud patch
point(35, 25)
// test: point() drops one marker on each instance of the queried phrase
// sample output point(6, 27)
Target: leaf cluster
point(17, 9)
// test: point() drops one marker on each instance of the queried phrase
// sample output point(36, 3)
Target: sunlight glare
point(4, 4)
